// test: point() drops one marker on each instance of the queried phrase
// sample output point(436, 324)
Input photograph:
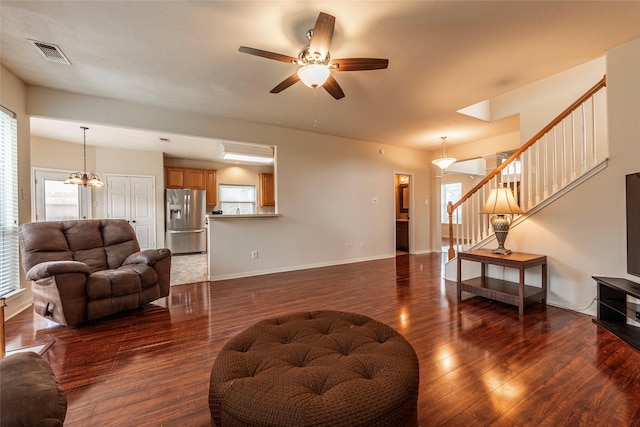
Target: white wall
point(583, 233)
point(325, 187)
point(13, 97)
point(538, 105)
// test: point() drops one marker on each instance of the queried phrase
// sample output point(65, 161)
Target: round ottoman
point(321, 368)
point(30, 394)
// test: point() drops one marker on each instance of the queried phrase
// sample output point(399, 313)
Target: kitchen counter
point(218, 217)
point(221, 224)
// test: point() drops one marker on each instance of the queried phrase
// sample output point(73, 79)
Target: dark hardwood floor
point(481, 363)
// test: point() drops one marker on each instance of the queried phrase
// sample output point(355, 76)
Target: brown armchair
point(88, 269)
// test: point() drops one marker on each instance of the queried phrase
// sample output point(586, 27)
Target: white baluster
point(573, 147)
point(555, 159)
point(545, 174)
point(584, 139)
point(594, 129)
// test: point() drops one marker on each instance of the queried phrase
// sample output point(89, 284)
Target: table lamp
point(499, 204)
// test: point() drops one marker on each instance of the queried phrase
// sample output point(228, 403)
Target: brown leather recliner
point(84, 270)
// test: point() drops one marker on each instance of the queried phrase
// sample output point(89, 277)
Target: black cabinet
point(402, 235)
point(615, 313)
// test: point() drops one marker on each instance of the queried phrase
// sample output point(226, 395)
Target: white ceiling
point(183, 55)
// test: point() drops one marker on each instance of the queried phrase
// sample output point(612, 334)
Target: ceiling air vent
point(51, 52)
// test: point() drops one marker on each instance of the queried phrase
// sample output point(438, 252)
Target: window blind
point(9, 259)
point(237, 198)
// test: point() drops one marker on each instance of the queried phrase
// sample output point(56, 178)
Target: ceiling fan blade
point(359, 64)
point(322, 34)
point(286, 83)
point(334, 89)
point(268, 55)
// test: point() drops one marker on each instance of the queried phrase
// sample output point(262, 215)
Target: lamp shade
point(444, 161)
point(501, 202)
point(314, 75)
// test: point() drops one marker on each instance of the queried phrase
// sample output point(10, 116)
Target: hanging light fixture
point(84, 178)
point(444, 161)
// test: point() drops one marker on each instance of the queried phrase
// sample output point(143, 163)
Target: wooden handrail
point(602, 83)
point(451, 207)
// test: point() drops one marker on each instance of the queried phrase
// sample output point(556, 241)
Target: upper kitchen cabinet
point(174, 177)
point(193, 179)
point(267, 190)
point(212, 188)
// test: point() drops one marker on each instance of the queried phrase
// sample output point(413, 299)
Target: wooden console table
point(517, 294)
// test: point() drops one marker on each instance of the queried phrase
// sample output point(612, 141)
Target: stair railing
point(554, 157)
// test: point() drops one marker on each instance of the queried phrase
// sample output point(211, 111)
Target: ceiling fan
point(315, 63)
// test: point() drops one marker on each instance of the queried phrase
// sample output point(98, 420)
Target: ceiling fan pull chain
point(315, 108)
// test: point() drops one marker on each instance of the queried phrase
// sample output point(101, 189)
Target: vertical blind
point(9, 261)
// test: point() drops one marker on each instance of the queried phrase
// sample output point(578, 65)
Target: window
point(237, 199)
point(9, 259)
point(512, 169)
point(57, 201)
point(61, 201)
point(451, 192)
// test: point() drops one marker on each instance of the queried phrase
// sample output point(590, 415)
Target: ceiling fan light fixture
point(314, 75)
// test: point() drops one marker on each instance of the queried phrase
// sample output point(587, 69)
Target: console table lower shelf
point(513, 293)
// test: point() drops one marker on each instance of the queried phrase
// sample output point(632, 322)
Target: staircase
point(566, 152)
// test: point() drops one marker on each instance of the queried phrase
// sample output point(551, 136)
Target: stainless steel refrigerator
point(186, 221)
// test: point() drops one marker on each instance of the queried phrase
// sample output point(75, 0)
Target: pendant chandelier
point(84, 178)
point(444, 162)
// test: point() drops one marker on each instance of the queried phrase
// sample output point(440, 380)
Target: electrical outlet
point(254, 254)
point(361, 245)
point(347, 246)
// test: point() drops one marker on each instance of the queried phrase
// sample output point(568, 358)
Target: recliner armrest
point(51, 268)
point(147, 256)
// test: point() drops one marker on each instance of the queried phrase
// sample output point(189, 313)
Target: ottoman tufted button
point(336, 369)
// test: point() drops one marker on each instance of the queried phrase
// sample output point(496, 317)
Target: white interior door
point(143, 210)
point(133, 198)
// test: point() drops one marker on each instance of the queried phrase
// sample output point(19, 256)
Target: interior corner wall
point(13, 97)
point(583, 233)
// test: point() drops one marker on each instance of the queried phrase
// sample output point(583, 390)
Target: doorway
point(53, 200)
point(402, 185)
point(133, 198)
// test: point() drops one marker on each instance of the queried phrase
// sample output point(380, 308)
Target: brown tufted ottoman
point(322, 368)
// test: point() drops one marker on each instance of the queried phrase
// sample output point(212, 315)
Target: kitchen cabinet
point(267, 190)
point(188, 178)
point(174, 177)
point(195, 178)
point(402, 235)
point(212, 188)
